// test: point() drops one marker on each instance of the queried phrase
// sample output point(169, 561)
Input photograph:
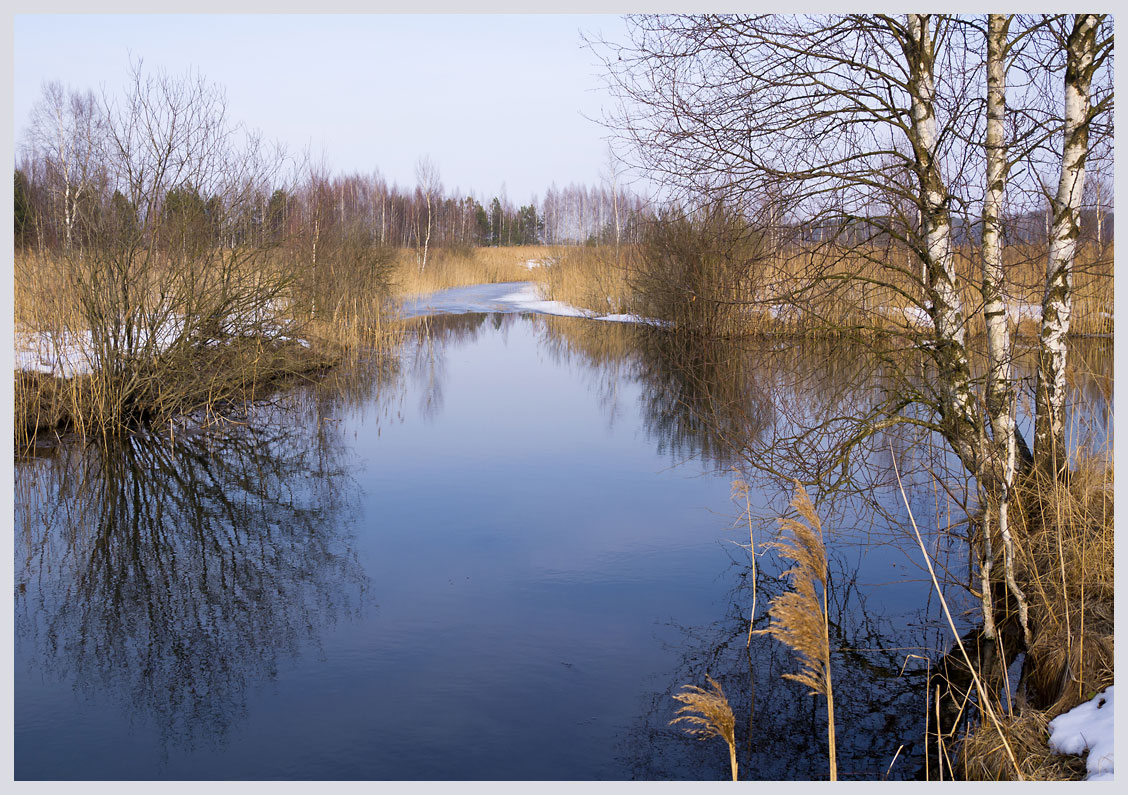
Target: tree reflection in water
point(879, 668)
point(771, 409)
point(176, 574)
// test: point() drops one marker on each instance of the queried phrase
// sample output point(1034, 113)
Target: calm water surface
point(499, 562)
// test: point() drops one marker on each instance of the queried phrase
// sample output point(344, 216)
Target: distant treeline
point(69, 181)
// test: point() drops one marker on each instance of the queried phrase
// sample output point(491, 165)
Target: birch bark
point(1050, 454)
point(958, 415)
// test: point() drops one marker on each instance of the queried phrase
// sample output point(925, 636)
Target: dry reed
point(706, 714)
point(462, 267)
point(589, 277)
point(1066, 565)
point(800, 617)
point(711, 276)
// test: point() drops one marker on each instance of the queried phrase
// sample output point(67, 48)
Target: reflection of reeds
point(799, 618)
point(741, 490)
point(707, 714)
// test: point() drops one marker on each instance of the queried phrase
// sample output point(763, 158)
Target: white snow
point(622, 318)
point(68, 354)
point(60, 354)
point(783, 312)
point(916, 316)
point(1088, 726)
point(1018, 312)
point(528, 299)
point(505, 297)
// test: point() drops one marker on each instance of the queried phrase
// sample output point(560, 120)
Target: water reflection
point(425, 354)
point(880, 668)
point(168, 577)
point(174, 574)
point(702, 398)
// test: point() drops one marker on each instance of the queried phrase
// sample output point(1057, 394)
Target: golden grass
point(462, 267)
point(706, 713)
point(799, 617)
point(1065, 566)
point(863, 286)
point(837, 289)
point(589, 277)
point(983, 756)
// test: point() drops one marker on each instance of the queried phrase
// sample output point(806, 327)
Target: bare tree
point(427, 178)
point(66, 132)
point(612, 174)
point(879, 134)
point(822, 118)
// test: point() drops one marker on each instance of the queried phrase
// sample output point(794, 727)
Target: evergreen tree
point(23, 213)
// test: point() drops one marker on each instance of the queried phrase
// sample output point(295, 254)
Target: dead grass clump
point(706, 714)
point(1065, 563)
point(589, 277)
point(40, 402)
point(984, 757)
point(1064, 531)
point(1065, 566)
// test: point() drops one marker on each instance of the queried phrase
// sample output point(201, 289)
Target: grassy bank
point(726, 281)
point(105, 345)
point(1065, 566)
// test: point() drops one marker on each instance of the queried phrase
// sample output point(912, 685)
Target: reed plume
point(798, 618)
point(707, 714)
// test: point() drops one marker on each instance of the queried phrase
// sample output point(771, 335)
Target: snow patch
point(1016, 313)
point(1088, 726)
point(69, 354)
point(528, 299)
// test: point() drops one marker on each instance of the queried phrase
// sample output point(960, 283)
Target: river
point(498, 561)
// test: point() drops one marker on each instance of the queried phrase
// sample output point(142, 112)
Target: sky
point(495, 100)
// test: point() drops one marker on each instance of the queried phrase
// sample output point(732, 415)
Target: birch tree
point(1087, 44)
point(822, 118)
point(828, 118)
point(427, 177)
point(66, 132)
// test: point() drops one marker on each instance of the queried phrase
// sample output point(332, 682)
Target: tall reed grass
point(706, 713)
point(800, 617)
point(710, 273)
point(459, 267)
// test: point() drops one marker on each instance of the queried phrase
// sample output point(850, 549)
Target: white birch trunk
point(427, 238)
point(958, 417)
point(1050, 454)
point(1000, 391)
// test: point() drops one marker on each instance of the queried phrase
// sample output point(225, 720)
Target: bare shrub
point(697, 270)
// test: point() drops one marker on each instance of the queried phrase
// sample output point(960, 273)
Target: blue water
point(499, 562)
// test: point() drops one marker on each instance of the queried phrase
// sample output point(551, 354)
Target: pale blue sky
point(490, 98)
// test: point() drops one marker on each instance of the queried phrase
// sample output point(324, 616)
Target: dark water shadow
point(175, 575)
